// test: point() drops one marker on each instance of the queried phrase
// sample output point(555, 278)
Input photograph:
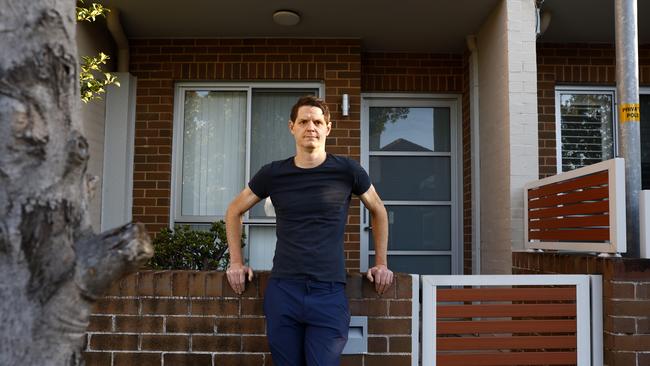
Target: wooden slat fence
point(581, 210)
point(510, 320)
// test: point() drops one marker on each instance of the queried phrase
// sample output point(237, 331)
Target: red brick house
point(381, 77)
point(453, 107)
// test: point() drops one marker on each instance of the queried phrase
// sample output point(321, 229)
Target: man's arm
point(237, 271)
point(379, 274)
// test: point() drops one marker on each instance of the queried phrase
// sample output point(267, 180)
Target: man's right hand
point(237, 273)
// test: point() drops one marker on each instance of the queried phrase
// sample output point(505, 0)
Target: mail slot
point(357, 336)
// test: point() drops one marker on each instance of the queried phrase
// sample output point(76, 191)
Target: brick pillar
point(626, 298)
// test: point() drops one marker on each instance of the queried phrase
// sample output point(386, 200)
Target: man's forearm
point(380, 234)
point(233, 234)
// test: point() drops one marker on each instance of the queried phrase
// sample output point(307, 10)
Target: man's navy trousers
point(306, 321)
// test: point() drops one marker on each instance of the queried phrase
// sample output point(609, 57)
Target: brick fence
point(626, 298)
point(193, 318)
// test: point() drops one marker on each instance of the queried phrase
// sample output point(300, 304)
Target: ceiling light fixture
point(286, 17)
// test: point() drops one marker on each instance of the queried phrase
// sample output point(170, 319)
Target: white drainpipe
point(117, 32)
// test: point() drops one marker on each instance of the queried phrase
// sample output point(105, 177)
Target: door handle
point(367, 228)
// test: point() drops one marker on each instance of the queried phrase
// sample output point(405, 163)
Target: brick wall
point(573, 64)
point(412, 72)
point(159, 63)
point(626, 298)
point(193, 318)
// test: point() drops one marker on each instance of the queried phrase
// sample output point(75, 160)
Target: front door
point(410, 148)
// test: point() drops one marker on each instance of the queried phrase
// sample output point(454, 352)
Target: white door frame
point(453, 101)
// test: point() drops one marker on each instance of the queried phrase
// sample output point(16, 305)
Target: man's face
point(310, 129)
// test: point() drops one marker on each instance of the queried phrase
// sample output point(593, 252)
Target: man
point(305, 305)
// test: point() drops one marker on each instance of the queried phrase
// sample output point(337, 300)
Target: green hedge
point(186, 248)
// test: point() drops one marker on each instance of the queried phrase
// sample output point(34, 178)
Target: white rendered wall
point(92, 115)
point(91, 39)
point(117, 184)
point(508, 128)
point(494, 149)
point(522, 83)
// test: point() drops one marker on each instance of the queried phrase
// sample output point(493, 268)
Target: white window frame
point(175, 216)
point(576, 89)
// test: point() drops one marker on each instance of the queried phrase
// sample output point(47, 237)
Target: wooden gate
point(512, 320)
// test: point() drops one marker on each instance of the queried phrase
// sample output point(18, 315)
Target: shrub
point(185, 248)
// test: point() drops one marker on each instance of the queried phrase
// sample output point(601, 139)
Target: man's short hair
point(312, 101)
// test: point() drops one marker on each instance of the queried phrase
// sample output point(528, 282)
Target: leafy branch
point(91, 85)
point(90, 13)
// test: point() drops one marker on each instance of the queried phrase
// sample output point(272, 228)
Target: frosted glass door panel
point(420, 264)
point(418, 228)
point(418, 178)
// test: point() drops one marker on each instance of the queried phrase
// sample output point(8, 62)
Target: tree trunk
point(52, 266)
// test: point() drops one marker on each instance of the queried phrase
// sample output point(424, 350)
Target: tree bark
point(52, 266)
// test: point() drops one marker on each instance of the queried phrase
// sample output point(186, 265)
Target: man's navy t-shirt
point(311, 207)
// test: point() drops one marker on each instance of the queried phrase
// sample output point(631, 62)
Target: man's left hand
point(381, 276)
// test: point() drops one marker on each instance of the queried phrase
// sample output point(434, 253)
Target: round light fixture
point(286, 17)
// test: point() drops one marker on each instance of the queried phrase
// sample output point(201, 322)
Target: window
point(585, 130)
point(223, 134)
